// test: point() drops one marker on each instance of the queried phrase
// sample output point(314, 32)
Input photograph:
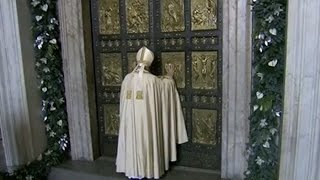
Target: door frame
point(75, 30)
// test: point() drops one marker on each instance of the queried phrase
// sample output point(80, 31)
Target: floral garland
point(48, 65)
point(267, 89)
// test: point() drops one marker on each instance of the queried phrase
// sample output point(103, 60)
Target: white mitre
point(145, 56)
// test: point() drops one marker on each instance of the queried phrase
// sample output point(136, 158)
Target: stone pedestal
point(300, 146)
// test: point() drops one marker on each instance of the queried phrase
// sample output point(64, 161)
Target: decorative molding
point(236, 86)
point(76, 44)
point(301, 120)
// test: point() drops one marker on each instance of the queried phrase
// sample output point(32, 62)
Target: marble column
point(236, 86)
point(75, 32)
point(22, 128)
point(300, 147)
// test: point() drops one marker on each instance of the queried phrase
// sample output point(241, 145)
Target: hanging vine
point(267, 89)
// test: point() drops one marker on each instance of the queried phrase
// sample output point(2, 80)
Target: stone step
point(104, 169)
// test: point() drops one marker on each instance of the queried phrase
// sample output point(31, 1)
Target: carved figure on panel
point(111, 69)
point(204, 14)
point(109, 17)
point(204, 126)
point(204, 70)
point(111, 113)
point(172, 15)
point(137, 16)
point(177, 59)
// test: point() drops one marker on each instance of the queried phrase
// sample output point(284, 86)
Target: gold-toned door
point(186, 33)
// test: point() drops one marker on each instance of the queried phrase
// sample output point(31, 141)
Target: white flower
point(52, 108)
point(61, 100)
point(260, 75)
point(259, 161)
point(255, 107)
point(50, 27)
point(270, 19)
point(45, 118)
point(273, 131)
point(44, 103)
point(29, 177)
point(44, 89)
point(261, 49)
point(261, 108)
point(259, 95)
point(38, 64)
point(278, 114)
point(39, 38)
point(46, 70)
point(44, 7)
point(277, 12)
point(48, 128)
point(48, 152)
point(273, 63)
point(266, 144)
point(34, 3)
point(43, 60)
point(261, 36)
point(263, 123)
point(40, 45)
point(59, 122)
point(273, 31)
point(247, 172)
point(52, 134)
point(266, 43)
point(39, 157)
point(38, 18)
point(54, 21)
point(63, 142)
point(53, 41)
point(39, 42)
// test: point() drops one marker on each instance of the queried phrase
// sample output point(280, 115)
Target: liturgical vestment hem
point(151, 124)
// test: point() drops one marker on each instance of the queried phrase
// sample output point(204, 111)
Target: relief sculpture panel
point(137, 16)
point(203, 14)
point(204, 126)
point(111, 115)
point(111, 71)
point(204, 70)
point(172, 15)
point(109, 17)
point(131, 61)
point(178, 60)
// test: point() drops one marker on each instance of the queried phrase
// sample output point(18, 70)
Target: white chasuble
point(151, 124)
point(174, 129)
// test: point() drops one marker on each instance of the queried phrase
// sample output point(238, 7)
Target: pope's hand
point(170, 69)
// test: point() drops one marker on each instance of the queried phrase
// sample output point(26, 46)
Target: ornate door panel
point(186, 33)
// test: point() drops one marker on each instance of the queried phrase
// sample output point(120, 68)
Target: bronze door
point(187, 33)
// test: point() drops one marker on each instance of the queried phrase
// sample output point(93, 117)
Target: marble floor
point(104, 169)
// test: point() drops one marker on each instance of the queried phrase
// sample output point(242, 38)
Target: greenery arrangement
point(48, 64)
point(267, 89)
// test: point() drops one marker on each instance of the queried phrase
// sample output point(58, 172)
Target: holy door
point(186, 33)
